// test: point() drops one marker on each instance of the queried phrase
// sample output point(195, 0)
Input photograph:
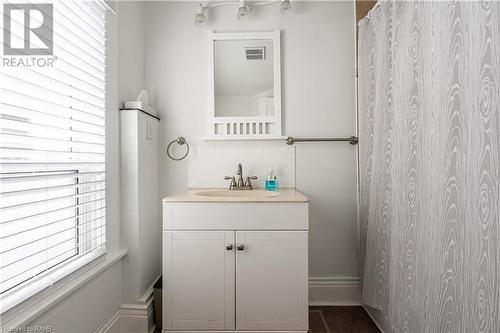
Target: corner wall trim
point(129, 317)
point(137, 317)
point(335, 290)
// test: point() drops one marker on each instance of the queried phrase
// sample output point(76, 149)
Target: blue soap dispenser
point(272, 182)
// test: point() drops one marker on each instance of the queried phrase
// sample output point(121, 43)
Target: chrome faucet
point(239, 173)
point(240, 185)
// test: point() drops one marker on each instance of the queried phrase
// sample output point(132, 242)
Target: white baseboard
point(131, 318)
point(110, 325)
point(138, 318)
point(335, 290)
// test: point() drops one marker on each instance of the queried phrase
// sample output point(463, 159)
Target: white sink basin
point(237, 194)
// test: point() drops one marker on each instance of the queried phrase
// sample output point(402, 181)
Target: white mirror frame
point(245, 128)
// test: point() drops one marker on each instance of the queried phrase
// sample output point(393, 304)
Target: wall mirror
point(245, 85)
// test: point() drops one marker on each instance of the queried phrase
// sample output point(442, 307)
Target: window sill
point(22, 314)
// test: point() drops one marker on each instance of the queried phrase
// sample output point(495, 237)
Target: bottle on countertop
point(272, 182)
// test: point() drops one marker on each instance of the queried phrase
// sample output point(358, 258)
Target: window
point(52, 143)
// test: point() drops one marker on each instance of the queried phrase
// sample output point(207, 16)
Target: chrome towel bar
point(291, 140)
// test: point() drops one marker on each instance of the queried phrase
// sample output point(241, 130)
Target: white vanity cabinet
point(235, 266)
point(199, 283)
point(271, 280)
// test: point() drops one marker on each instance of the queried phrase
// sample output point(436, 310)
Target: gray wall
point(130, 49)
point(318, 79)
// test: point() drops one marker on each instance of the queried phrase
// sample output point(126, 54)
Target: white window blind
point(52, 150)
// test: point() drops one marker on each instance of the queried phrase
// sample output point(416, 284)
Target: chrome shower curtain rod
point(291, 140)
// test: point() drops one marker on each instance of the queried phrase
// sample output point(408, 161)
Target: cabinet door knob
point(229, 247)
point(240, 247)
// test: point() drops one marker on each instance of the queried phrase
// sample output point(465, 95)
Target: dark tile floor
point(341, 319)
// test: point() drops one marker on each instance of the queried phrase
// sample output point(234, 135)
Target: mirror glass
point(244, 78)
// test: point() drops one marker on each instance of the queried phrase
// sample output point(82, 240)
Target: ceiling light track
point(244, 8)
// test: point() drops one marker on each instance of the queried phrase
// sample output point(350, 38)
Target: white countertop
point(224, 195)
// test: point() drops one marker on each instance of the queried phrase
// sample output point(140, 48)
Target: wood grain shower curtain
point(429, 104)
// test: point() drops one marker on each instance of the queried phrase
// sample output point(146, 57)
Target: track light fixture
point(200, 16)
point(285, 6)
point(244, 8)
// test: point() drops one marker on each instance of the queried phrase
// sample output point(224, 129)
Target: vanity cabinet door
point(199, 288)
point(271, 280)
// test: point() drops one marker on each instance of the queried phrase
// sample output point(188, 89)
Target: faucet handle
point(232, 184)
point(248, 182)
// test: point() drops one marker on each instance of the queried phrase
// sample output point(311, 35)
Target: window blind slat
point(89, 203)
point(62, 174)
point(13, 168)
point(21, 100)
point(92, 10)
point(31, 183)
point(70, 118)
point(42, 81)
point(30, 194)
point(66, 208)
point(17, 260)
point(100, 5)
point(71, 132)
point(23, 230)
point(56, 92)
point(48, 144)
point(6, 137)
point(17, 245)
point(15, 197)
point(92, 35)
point(90, 20)
point(89, 27)
point(39, 208)
point(14, 155)
point(71, 80)
point(41, 95)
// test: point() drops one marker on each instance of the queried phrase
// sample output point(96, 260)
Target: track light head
point(243, 10)
point(285, 6)
point(200, 17)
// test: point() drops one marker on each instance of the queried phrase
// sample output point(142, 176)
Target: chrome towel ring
point(181, 141)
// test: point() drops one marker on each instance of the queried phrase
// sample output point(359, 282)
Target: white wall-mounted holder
point(251, 127)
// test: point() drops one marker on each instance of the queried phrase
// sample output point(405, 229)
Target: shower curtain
point(429, 104)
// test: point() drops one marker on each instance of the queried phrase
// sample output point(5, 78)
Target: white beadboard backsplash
point(210, 163)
